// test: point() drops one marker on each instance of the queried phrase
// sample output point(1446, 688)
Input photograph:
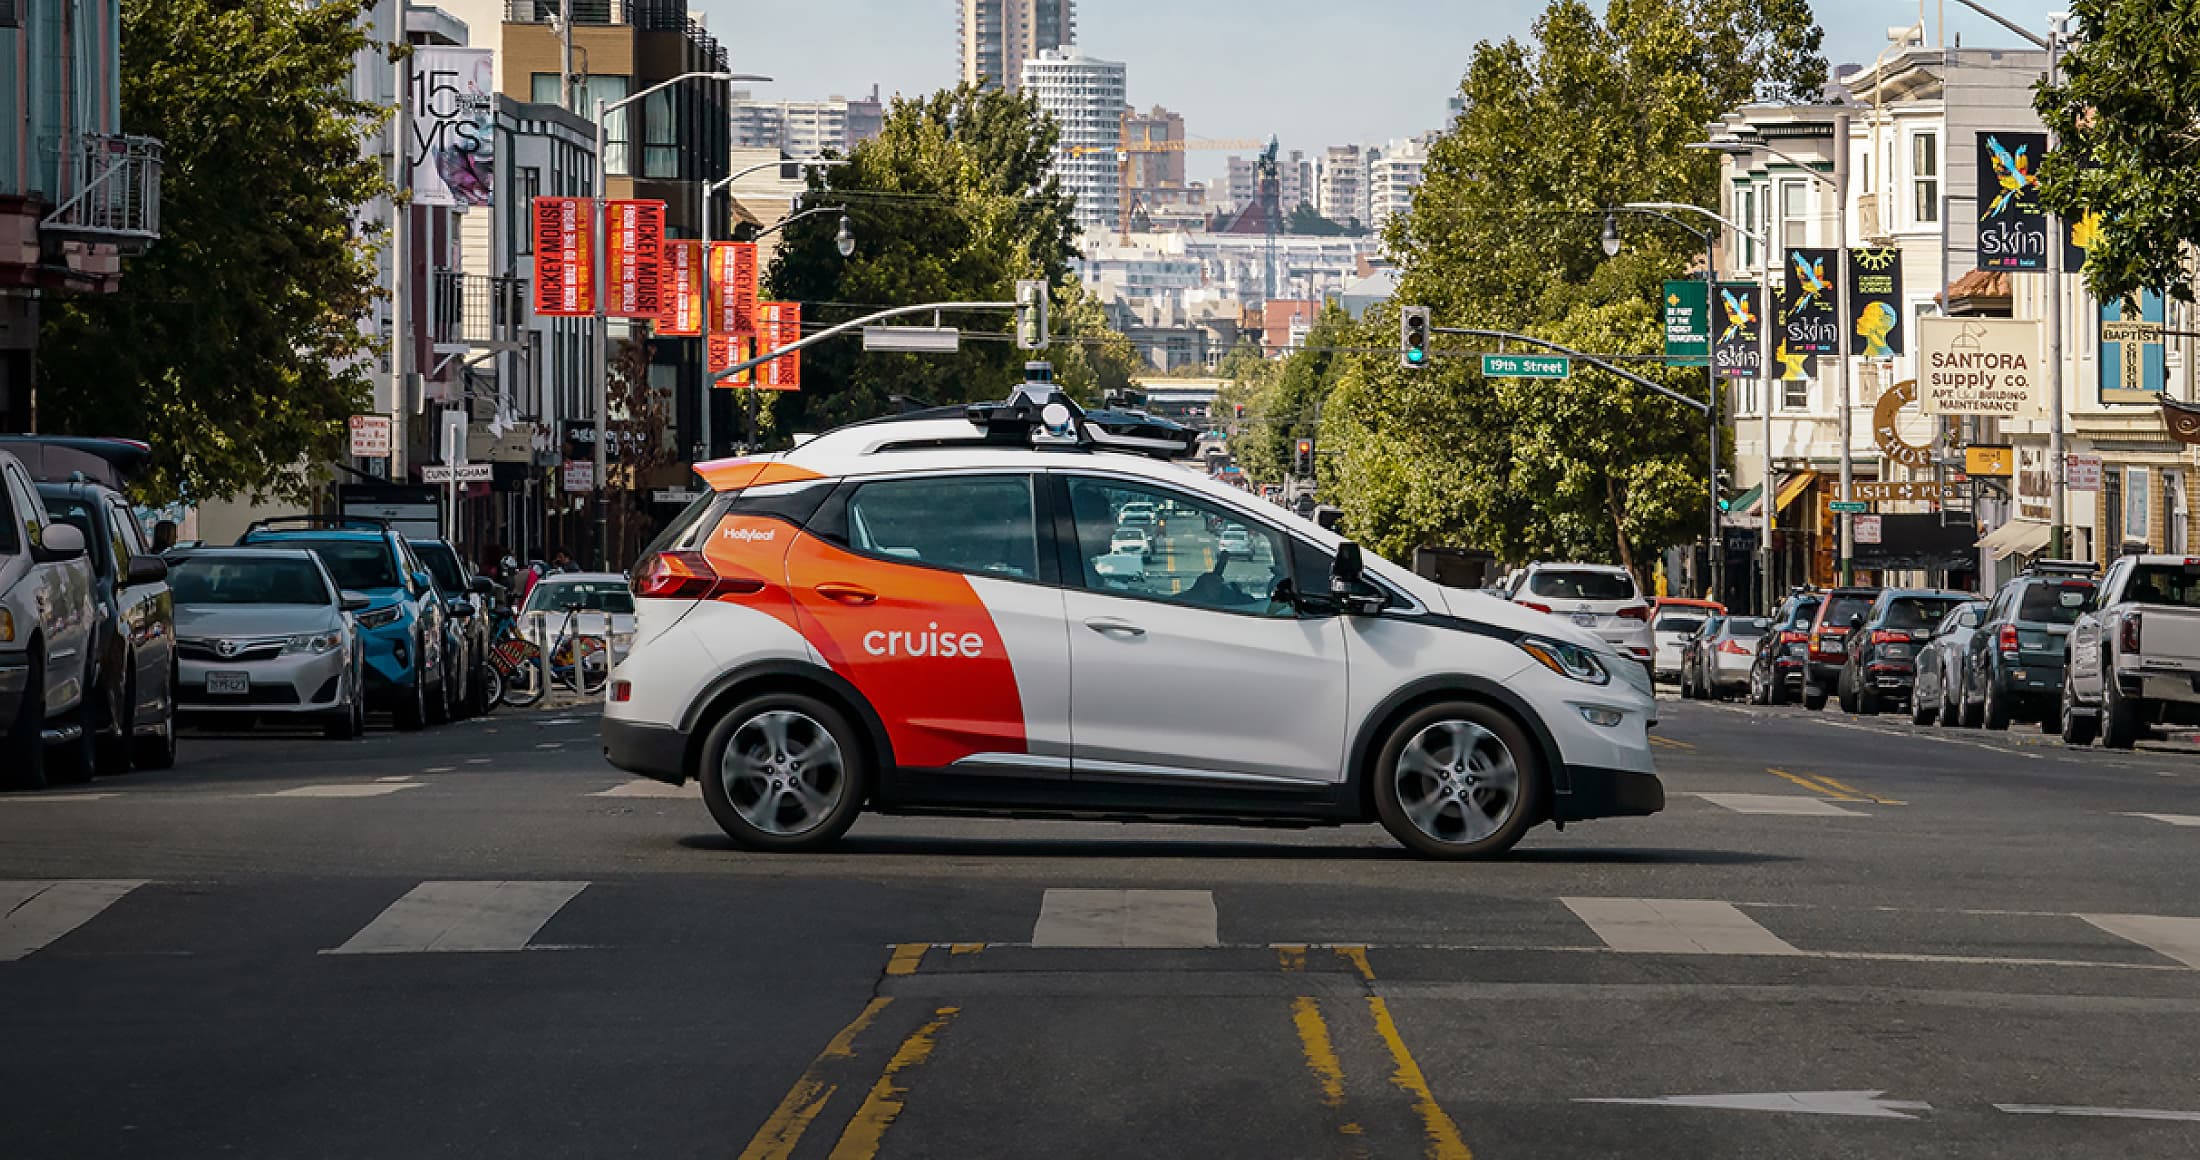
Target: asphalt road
point(482, 942)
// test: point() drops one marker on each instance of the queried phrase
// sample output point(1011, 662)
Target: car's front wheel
point(2079, 727)
point(412, 708)
point(783, 772)
point(1457, 780)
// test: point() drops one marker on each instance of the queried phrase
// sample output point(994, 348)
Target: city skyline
point(1174, 57)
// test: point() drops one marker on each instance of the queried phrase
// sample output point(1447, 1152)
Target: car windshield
point(1582, 584)
point(1683, 622)
point(2172, 584)
point(1742, 627)
point(443, 564)
point(362, 564)
point(2055, 601)
point(1919, 611)
point(244, 579)
point(585, 595)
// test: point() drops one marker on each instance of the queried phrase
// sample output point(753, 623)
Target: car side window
point(1201, 555)
point(130, 537)
point(29, 509)
point(984, 524)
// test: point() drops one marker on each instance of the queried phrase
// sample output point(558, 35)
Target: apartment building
point(1084, 95)
point(804, 128)
point(1340, 184)
point(1393, 173)
point(996, 37)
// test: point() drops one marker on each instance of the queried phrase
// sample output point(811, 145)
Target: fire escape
point(117, 200)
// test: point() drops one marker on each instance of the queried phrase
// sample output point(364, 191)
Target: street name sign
point(913, 339)
point(1525, 366)
point(1849, 506)
point(467, 473)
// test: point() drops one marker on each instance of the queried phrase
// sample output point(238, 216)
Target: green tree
point(954, 200)
point(1090, 357)
point(1592, 111)
point(1306, 220)
point(1286, 403)
point(2127, 115)
point(234, 346)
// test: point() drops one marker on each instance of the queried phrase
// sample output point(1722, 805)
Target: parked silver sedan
point(1940, 665)
point(265, 632)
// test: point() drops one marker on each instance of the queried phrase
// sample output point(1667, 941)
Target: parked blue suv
point(402, 631)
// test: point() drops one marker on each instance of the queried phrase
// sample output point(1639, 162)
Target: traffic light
point(1302, 460)
point(1240, 410)
point(1413, 335)
point(1031, 314)
point(1725, 483)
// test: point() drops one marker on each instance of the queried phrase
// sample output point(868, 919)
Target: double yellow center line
point(1820, 784)
point(1440, 1135)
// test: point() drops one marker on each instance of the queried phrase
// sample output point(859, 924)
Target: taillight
point(1734, 648)
point(1793, 636)
point(1890, 636)
point(689, 576)
point(2006, 640)
point(1636, 612)
point(2129, 633)
point(1534, 605)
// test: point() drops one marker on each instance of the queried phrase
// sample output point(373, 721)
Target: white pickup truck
point(2135, 658)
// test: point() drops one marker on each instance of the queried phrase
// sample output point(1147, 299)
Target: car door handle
point(846, 593)
point(1109, 624)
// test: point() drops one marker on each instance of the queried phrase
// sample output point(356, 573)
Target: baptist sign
point(1981, 366)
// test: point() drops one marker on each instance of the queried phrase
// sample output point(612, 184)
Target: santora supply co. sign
point(1981, 366)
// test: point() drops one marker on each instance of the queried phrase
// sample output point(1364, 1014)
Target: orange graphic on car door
point(919, 645)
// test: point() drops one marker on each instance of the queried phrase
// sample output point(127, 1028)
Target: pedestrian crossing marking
point(54, 797)
point(645, 788)
point(1676, 926)
point(1126, 918)
point(1792, 805)
point(35, 913)
point(462, 916)
point(2174, 938)
point(2172, 819)
point(343, 790)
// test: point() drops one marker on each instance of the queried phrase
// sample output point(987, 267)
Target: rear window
point(2173, 584)
point(1744, 627)
point(1582, 584)
point(1677, 622)
point(1840, 608)
point(1804, 614)
point(1919, 611)
point(585, 595)
point(2056, 602)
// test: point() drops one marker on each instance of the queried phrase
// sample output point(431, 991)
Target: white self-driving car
point(922, 614)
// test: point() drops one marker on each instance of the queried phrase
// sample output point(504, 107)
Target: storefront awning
point(1793, 486)
point(2016, 538)
point(1745, 501)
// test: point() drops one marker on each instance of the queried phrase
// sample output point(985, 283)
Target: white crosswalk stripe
point(1126, 918)
point(343, 790)
point(462, 916)
point(1793, 805)
point(2176, 938)
point(645, 788)
point(35, 913)
point(1676, 926)
point(2172, 819)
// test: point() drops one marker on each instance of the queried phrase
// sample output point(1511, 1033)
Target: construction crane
point(1126, 148)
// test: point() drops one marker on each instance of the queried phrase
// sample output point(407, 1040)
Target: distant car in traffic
point(1940, 665)
point(1781, 667)
point(1716, 659)
point(1600, 598)
point(1881, 652)
point(1234, 538)
point(599, 605)
point(1672, 622)
point(47, 623)
point(466, 636)
point(1828, 647)
point(1120, 567)
point(2013, 667)
point(1138, 513)
point(264, 632)
point(1131, 539)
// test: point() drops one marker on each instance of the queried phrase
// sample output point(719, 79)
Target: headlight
point(622, 640)
point(314, 642)
point(377, 617)
point(1567, 660)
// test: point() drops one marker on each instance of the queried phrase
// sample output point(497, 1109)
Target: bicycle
point(517, 661)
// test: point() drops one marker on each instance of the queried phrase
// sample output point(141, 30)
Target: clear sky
point(1312, 72)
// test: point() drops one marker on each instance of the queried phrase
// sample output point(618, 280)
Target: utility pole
point(400, 245)
point(2058, 535)
point(1841, 357)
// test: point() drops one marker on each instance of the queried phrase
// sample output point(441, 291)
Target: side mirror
point(61, 542)
point(1348, 583)
point(423, 582)
point(351, 601)
point(460, 610)
point(144, 570)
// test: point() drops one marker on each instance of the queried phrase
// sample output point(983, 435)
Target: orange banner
point(780, 325)
point(682, 290)
point(726, 350)
point(733, 273)
point(634, 233)
point(565, 275)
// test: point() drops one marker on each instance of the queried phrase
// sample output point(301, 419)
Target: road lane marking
point(35, 913)
point(1357, 956)
point(1844, 787)
point(2107, 1113)
point(462, 916)
point(1327, 1069)
point(1126, 918)
point(1669, 743)
point(1813, 786)
point(866, 1130)
point(53, 797)
point(358, 790)
point(965, 948)
point(643, 787)
point(2174, 938)
point(2172, 819)
point(399, 777)
point(1843, 1103)
point(1291, 957)
point(430, 769)
point(1779, 803)
point(1438, 1130)
point(906, 958)
point(783, 1129)
point(1676, 926)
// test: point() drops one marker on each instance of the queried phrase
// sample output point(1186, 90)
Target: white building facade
point(1085, 97)
point(1393, 173)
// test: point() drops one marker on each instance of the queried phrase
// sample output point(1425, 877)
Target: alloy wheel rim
point(783, 772)
point(1457, 782)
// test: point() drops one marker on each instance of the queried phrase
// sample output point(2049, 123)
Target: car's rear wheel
point(111, 748)
point(1969, 716)
point(1457, 780)
point(412, 708)
point(1995, 712)
point(783, 772)
point(2120, 723)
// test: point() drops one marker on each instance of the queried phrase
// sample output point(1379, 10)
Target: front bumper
point(654, 751)
point(304, 683)
point(1597, 792)
point(15, 677)
point(392, 663)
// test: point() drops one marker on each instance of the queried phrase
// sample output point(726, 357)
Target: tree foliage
point(2127, 115)
point(1591, 112)
point(234, 345)
point(954, 200)
point(1284, 400)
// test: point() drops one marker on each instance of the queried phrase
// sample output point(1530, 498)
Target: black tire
point(525, 687)
point(1462, 810)
point(439, 699)
point(350, 720)
point(1865, 698)
point(25, 745)
point(72, 762)
point(412, 709)
point(158, 750)
point(1923, 712)
point(814, 740)
point(1994, 712)
point(1967, 716)
point(492, 689)
point(1814, 698)
point(1775, 688)
point(1688, 685)
point(2078, 726)
point(2051, 715)
point(2121, 725)
point(111, 748)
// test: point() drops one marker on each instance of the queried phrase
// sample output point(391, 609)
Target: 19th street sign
point(1525, 366)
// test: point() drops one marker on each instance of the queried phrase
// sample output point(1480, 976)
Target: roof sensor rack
point(1038, 414)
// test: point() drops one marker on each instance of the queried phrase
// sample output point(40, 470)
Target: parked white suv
point(915, 615)
point(47, 613)
point(2134, 657)
point(1598, 598)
